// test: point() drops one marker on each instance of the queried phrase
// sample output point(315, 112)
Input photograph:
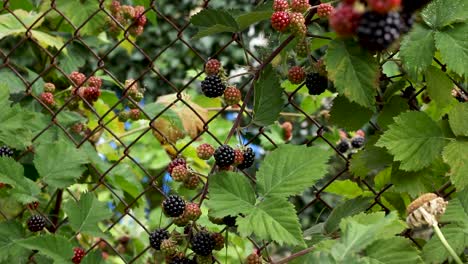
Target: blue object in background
point(165, 186)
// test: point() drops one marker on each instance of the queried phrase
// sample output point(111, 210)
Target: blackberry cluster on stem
point(202, 243)
point(156, 237)
point(174, 206)
point(224, 156)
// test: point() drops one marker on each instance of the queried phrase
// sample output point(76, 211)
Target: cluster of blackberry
point(132, 17)
point(134, 94)
point(349, 144)
point(215, 85)
point(290, 16)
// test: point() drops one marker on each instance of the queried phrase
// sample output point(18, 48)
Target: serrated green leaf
point(440, 13)
point(395, 250)
point(455, 155)
point(290, 169)
point(83, 15)
point(212, 21)
point(414, 139)
point(348, 208)
point(417, 49)
point(455, 213)
point(457, 119)
point(394, 107)
point(230, 194)
point(85, 214)
point(412, 182)
point(345, 188)
point(439, 86)
point(268, 100)
point(12, 173)
point(9, 251)
point(12, 24)
point(434, 252)
point(16, 125)
point(453, 47)
point(353, 71)
point(59, 163)
point(369, 159)
point(94, 257)
point(250, 18)
point(272, 219)
point(56, 247)
point(340, 117)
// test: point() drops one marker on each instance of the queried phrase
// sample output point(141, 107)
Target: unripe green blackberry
point(297, 25)
point(192, 182)
point(138, 96)
point(182, 220)
point(202, 243)
point(180, 173)
point(36, 223)
point(192, 210)
point(301, 48)
point(219, 241)
point(123, 116)
point(173, 206)
point(49, 87)
point(205, 151)
point(168, 247)
point(204, 259)
point(156, 237)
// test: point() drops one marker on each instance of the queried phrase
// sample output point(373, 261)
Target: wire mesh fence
point(181, 33)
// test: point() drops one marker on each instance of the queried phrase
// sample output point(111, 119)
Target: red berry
point(95, 82)
point(296, 75)
point(192, 182)
point(115, 6)
point(49, 87)
point(175, 162)
point(179, 173)
point(232, 95)
point(212, 67)
point(77, 78)
point(139, 16)
point(297, 24)
point(238, 157)
point(48, 99)
point(205, 151)
point(344, 20)
point(193, 212)
point(324, 10)
point(219, 240)
point(78, 256)
point(91, 94)
point(33, 205)
point(254, 259)
point(383, 6)
point(134, 114)
point(280, 5)
point(300, 5)
point(287, 130)
point(280, 20)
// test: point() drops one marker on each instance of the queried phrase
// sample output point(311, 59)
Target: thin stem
point(126, 134)
point(446, 244)
point(240, 74)
point(295, 255)
point(250, 111)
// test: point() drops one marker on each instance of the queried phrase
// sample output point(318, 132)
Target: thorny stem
point(446, 244)
point(295, 255)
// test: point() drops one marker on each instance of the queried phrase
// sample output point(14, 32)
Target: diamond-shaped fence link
point(149, 51)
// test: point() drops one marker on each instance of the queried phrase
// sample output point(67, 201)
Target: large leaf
point(244, 20)
point(369, 159)
point(290, 169)
point(414, 139)
point(435, 252)
point(212, 21)
point(59, 163)
point(348, 208)
point(395, 250)
point(56, 247)
point(272, 219)
point(455, 155)
point(9, 251)
point(12, 173)
point(453, 47)
point(268, 100)
point(439, 86)
point(230, 194)
point(457, 119)
point(440, 13)
point(86, 214)
point(83, 15)
point(340, 117)
point(353, 71)
point(417, 49)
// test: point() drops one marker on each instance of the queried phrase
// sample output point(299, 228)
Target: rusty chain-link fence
point(181, 34)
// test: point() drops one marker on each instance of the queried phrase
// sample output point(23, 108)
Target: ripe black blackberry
point(202, 243)
point(5, 151)
point(407, 21)
point(36, 223)
point(229, 220)
point(213, 86)
point(181, 260)
point(357, 142)
point(174, 206)
point(316, 83)
point(156, 237)
point(224, 156)
point(377, 32)
point(409, 6)
point(249, 158)
point(343, 146)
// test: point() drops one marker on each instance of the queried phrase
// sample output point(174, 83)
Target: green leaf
point(268, 98)
point(439, 86)
point(346, 188)
point(12, 173)
point(457, 212)
point(395, 250)
point(457, 119)
point(16, 125)
point(230, 194)
point(369, 159)
point(56, 247)
point(455, 155)
point(353, 70)
point(414, 139)
point(434, 252)
point(412, 182)
point(47, 40)
point(83, 15)
point(453, 47)
point(290, 169)
point(272, 219)
point(86, 214)
point(348, 208)
point(440, 13)
point(9, 251)
point(59, 163)
point(213, 21)
point(11, 82)
point(417, 49)
point(260, 13)
point(12, 24)
point(340, 117)
point(94, 257)
point(394, 107)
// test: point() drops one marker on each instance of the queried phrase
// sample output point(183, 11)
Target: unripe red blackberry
point(280, 5)
point(213, 86)
point(249, 158)
point(202, 243)
point(297, 25)
point(134, 114)
point(168, 247)
point(180, 173)
point(192, 182)
point(139, 16)
point(316, 83)
point(176, 162)
point(193, 212)
point(78, 255)
point(300, 5)
point(77, 78)
point(296, 75)
point(253, 259)
point(344, 20)
point(232, 95)
point(218, 241)
point(5, 151)
point(205, 151)
point(156, 237)
point(212, 67)
point(91, 94)
point(49, 87)
point(94, 81)
point(280, 20)
point(34, 205)
point(123, 116)
point(48, 99)
point(224, 156)
point(36, 223)
point(238, 157)
point(173, 206)
point(324, 10)
point(377, 32)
